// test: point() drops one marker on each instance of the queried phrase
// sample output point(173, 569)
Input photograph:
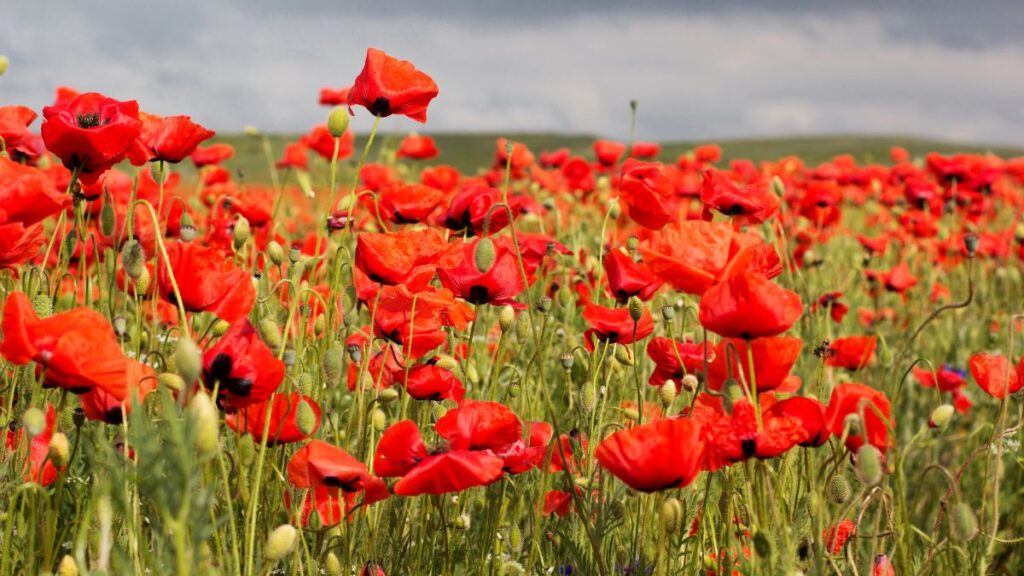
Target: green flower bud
point(438, 411)
point(544, 305)
point(305, 183)
point(483, 254)
point(220, 328)
point(778, 187)
point(70, 241)
point(332, 364)
point(240, 232)
point(188, 360)
point(869, 465)
point(43, 305)
point(564, 297)
point(108, 219)
point(270, 332)
point(588, 398)
point(246, 447)
point(250, 130)
point(332, 566)
point(940, 416)
point(280, 542)
point(963, 524)
point(623, 356)
point(667, 393)
point(462, 522)
point(33, 421)
point(171, 381)
point(337, 121)
point(59, 449)
point(388, 395)
point(133, 258)
point(379, 420)
point(205, 422)
point(446, 361)
point(305, 383)
point(839, 490)
point(67, 566)
point(506, 318)
point(636, 308)
point(142, 282)
point(671, 515)
point(275, 252)
point(305, 418)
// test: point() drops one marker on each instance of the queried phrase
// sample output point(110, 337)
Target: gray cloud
point(699, 70)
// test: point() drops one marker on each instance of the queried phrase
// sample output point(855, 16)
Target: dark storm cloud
point(699, 69)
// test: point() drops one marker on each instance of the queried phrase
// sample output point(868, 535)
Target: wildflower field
point(353, 357)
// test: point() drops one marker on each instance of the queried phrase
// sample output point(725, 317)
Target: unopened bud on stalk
point(839, 490)
point(332, 566)
point(305, 383)
point(631, 414)
point(667, 393)
point(778, 187)
point(306, 185)
point(632, 243)
point(671, 515)
point(690, 382)
point(294, 254)
point(305, 418)
point(143, 281)
point(67, 566)
point(379, 420)
point(472, 374)
point(438, 410)
point(4, 64)
point(42, 304)
point(275, 252)
point(483, 254)
point(462, 522)
point(246, 447)
point(332, 362)
point(108, 219)
point(564, 297)
point(506, 318)
point(133, 258)
point(337, 121)
point(280, 542)
point(220, 327)
point(588, 398)
point(622, 355)
point(636, 308)
point(869, 465)
point(270, 332)
point(446, 361)
point(33, 421)
point(852, 424)
point(240, 232)
point(59, 450)
point(523, 327)
point(188, 360)
point(205, 422)
point(963, 524)
point(940, 416)
point(171, 381)
point(668, 313)
point(388, 395)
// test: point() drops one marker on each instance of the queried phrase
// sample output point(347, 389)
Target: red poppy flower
point(320, 140)
point(431, 382)
point(773, 359)
point(832, 302)
point(444, 178)
point(389, 86)
point(14, 123)
point(626, 277)
point(811, 415)
point(167, 138)
point(748, 305)
point(837, 535)
point(995, 374)
point(480, 425)
point(212, 154)
point(555, 158)
point(873, 407)
point(615, 325)
point(405, 203)
point(756, 202)
point(27, 197)
point(91, 133)
point(242, 368)
point(608, 152)
point(284, 427)
point(557, 502)
point(38, 467)
point(207, 281)
point(646, 150)
point(734, 437)
point(416, 147)
point(321, 464)
point(498, 285)
point(295, 156)
point(414, 321)
point(947, 378)
point(707, 153)
point(401, 452)
point(657, 456)
point(648, 193)
point(521, 158)
point(852, 352)
point(468, 210)
point(334, 97)
point(386, 365)
point(75, 350)
point(407, 257)
point(139, 380)
point(667, 354)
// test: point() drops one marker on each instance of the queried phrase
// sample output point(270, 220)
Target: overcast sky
point(699, 70)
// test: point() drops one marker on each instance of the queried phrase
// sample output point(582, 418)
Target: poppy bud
point(588, 398)
point(305, 383)
point(762, 545)
point(220, 327)
point(59, 450)
point(852, 425)
point(107, 219)
point(332, 362)
point(306, 185)
point(188, 361)
point(4, 63)
point(940, 416)
point(275, 252)
point(631, 414)
point(33, 421)
point(305, 418)
point(462, 522)
point(143, 281)
point(388, 395)
point(963, 525)
point(632, 243)
point(171, 380)
point(622, 355)
point(690, 382)
point(332, 566)
point(240, 232)
point(636, 308)
point(250, 130)
point(564, 297)
point(379, 420)
point(294, 254)
point(67, 566)
point(42, 304)
point(668, 313)
point(246, 447)
point(280, 542)
point(869, 465)
point(67, 418)
point(70, 241)
point(671, 515)
point(447, 362)
point(567, 360)
point(778, 187)
point(483, 254)
point(133, 258)
point(372, 569)
point(205, 422)
point(319, 325)
point(270, 333)
point(472, 374)
point(544, 305)
point(438, 411)
point(971, 243)
point(515, 538)
point(506, 318)
point(337, 121)
point(614, 210)
point(839, 490)
point(523, 328)
point(667, 393)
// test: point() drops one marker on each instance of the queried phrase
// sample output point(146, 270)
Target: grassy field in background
point(469, 152)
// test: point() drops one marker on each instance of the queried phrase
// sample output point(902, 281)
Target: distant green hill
point(470, 151)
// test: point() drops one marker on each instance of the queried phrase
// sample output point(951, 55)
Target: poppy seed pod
point(337, 121)
point(280, 542)
point(133, 258)
point(67, 566)
point(567, 361)
point(668, 313)
point(59, 450)
point(690, 383)
point(188, 360)
point(971, 244)
point(963, 524)
point(869, 465)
